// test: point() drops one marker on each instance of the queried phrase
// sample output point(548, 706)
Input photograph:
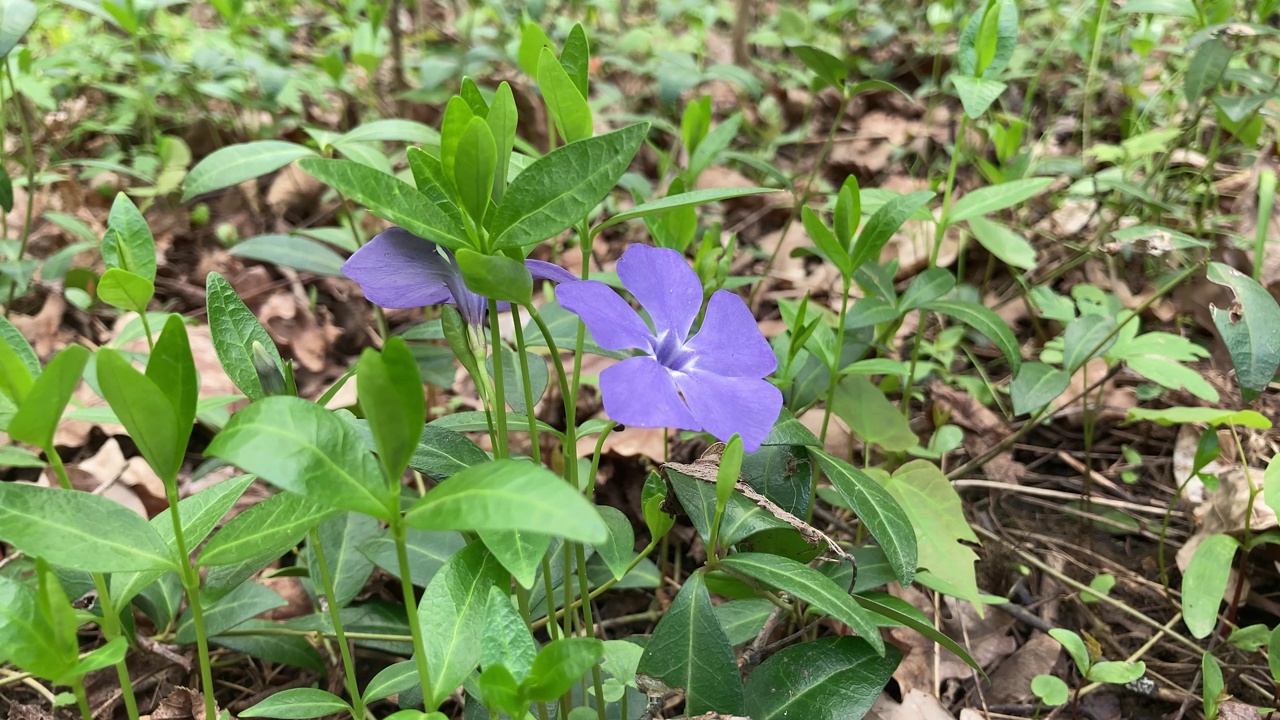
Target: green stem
point(947, 189)
point(399, 534)
point(545, 621)
point(191, 584)
point(554, 629)
point(595, 458)
point(530, 415)
point(82, 700)
point(326, 579)
point(25, 130)
point(915, 359)
point(589, 625)
point(111, 629)
point(835, 370)
point(499, 382)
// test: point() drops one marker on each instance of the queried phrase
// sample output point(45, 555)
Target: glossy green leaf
point(883, 223)
point(560, 665)
point(390, 199)
point(172, 368)
point(986, 322)
point(1051, 690)
point(298, 446)
point(234, 164)
point(690, 651)
point(884, 517)
point(977, 94)
point(520, 552)
point(568, 107)
point(508, 495)
point(428, 552)
point(390, 392)
point(826, 66)
point(1273, 653)
point(1212, 416)
point(12, 338)
point(685, 199)
point(618, 551)
point(28, 640)
point(392, 130)
point(341, 537)
point(291, 251)
point(913, 619)
point(1007, 245)
point(125, 290)
point(560, 188)
point(1087, 337)
point(298, 704)
point(79, 531)
point(497, 277)
point(809, 585)
point(1036, 385)
point(507, 641)
point(128, 244)
point(442, 453)
point(848, 211)
point(714, 144)
point(1205, 582)
point(1117, 672)
point(16, 17)
point(285, 649)
point(931, 284)
point(1075, 647)
point(833, 678)
point(576, 58)
point(743, 619)
point(474, 168)
point(390, 680)
point(268, 528)
point(826, 241)
point(452, 612)
point(38, 415)
point(937, 516)
point(994, 198)
point(145, 411)
point(742, 517)
point(233, 329)
point(234, 608)
point(1250, 328)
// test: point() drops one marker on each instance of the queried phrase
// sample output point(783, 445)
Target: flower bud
point(269, 376)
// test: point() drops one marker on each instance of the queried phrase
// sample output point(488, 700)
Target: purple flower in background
point(712, 381)
point(397, 269)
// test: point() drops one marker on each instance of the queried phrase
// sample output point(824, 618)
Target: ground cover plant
point(638, 360)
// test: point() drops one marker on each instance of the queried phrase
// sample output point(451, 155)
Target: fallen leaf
point(986, 431)
point(1011, 681)
point(915, 705)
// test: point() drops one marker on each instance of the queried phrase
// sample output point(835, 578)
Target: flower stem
point(399, 534)
point(191, 584)
point(589, 626)
point(941, 227)
point(835, 369)
point(326, 579)
point(499, 391)
point(111, 629)
point(528, 388)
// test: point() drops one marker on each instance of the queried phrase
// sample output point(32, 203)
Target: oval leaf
point(234, 164)
point(829, 679)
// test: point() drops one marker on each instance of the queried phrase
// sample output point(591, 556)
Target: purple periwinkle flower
point(713, 381)
point(397, 269)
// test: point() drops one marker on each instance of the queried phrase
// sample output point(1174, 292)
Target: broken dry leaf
point(916, 705)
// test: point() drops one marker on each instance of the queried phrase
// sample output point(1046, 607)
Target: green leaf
point(1075, 647)
point(233, 329)
point(618, 551)
point(502, 119)
point(995, 198)
point(390, 199)
point(390, 391)
point(428, 552)
point(457, 115)
point(929, 285)
point(79, 531)
point(298, 446)
point(497, 277)
point(1206, 69)
point(443, 453)
point(520, 552)
point(742, 518)
point(689, 650)
point(985, 321)
point(1117, 673)
point(826, 241)
point(511, 372)
point(234, 164)
point(1270, 482)
point(871, 416)
point(1176, 8)
point(246, 601)
point(883, 223)
point(567, 105)
point(1273, 653)
point(1212, 416)
point(38, 415)
point(508, 495)
point(291, 251)
point(172, 368)
point(392, 130)
point(532, 40)
point(937, 517)
point(16, 18)
point(848, 211)
point(877, 508)
point(977, 94)
point(11, 337)
point(1036, 385)
point(298, 704)
point(560, 188)
point(341, 538)
point(289, 650)
point(829, 68)
point(685, 199)
point(1051, 690)
point(507, 641)
point(473, 170)
point(560, 665)
point(28, 640)
point(1005, 244)
point(1205, 582)
point(452, 614)
point(809, 585)
point(269, 528)
point(128, 244)
point(144, 410)
point(12, 456)
point(1086, 338)
point(576, 58)
point(829, 679)
point(914, 619)
point(125, 290)
point(1250, 328)
point(390, 680)
point(715, 143)
point(499, 690)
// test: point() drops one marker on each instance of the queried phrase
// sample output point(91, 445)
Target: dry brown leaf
point(292, 324)
point(916, 705)
point(838, 437)
point(986, 430)
point(41, 329)
point(1236, 710)
point(294, 192)
point(787, 268)
point(988, 641)
point(1011, 681)
point(181, 704)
